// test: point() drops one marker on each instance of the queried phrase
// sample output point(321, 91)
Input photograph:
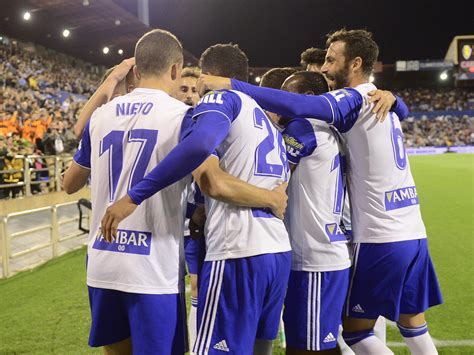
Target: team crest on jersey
point(399, 198)
point(335, 233)
point(466, 51)
point(126, 241)
point(293, 146)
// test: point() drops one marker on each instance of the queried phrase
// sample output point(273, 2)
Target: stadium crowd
point(42, 93)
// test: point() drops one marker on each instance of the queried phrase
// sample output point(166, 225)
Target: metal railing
point(54, 240)
point(54, 165)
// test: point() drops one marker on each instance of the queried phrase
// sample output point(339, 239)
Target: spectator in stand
point(3, 155)
point(13, 177)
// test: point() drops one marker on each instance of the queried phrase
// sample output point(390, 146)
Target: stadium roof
point(92, 27)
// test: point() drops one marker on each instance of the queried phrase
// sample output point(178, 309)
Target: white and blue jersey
point(384, 201)
point(247, 258)
point(253, 151)
point(315, 197)
point(123, 140)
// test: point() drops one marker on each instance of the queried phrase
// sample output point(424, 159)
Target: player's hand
point(115, 214)
point(121, 70)
point(197, 222)
point(210, 82)
point(279, 200)
point(383, 102)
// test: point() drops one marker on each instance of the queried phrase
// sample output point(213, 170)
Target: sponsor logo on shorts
point(358, 309)
point(126, 241)
point(399, 198)
point(335, 233)
point(329, 338)
point(222, 346)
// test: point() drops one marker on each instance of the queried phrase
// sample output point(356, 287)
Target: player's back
point(254, 152)
point(129, 136)
point(384, 202)
point(315, 197)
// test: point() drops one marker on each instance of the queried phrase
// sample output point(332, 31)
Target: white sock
point(421, 345)
point(192, 324)
point(380, 329)
point(345, 349)
point(371, 346)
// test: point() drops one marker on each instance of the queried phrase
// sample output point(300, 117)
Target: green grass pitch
point(46, 310)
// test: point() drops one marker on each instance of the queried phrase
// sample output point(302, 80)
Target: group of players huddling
point(271, 165)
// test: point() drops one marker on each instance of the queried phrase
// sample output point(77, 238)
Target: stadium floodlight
point(257, 79)
point(105, 50)
point(120, 51)
point(443, 76)
point(85, 3)
point(66, 33)
point(371, 78)
point(27, 16)
point(117, 22)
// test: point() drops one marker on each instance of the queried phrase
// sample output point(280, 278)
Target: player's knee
point(123, 347)
point(412, 320)
point(355, 324)
point(262, 347)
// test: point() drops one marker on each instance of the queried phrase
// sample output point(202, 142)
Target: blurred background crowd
point(42, 93)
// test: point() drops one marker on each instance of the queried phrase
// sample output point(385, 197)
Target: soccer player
point(194, 247)
point(312, 59)
point(187, 90)
point(393, 275)
point(135, 283)
point(248, 251)
point(319, 277)
point(274, 78)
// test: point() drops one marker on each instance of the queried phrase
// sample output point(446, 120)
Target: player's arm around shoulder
point(219, 185)
point(76, 176)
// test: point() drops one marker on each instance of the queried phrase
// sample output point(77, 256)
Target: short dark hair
point(156, 51)
point(304, 81)
point(225, 60)
point(313, 56)
point(274, 78)
point(358, 43)
point(191, 72)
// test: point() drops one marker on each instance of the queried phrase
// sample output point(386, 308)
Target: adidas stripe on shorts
point(313, 308)
point(240, 300)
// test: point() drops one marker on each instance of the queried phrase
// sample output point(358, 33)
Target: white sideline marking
point(438, 343)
